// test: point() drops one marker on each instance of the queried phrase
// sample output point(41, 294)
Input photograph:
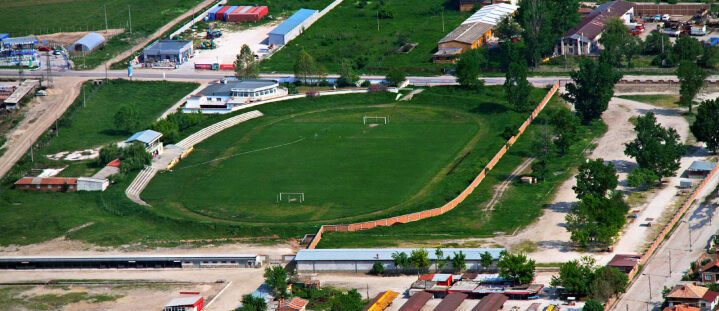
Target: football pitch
point(336, 163)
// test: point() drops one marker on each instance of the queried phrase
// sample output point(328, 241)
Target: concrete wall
point(364, 266)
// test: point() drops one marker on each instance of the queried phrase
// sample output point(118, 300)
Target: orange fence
point(660, 238)
point(449, 205)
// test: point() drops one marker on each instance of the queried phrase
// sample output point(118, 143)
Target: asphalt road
point(686, 244)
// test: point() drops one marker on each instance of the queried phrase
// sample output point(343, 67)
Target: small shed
point(293, 26)
point(194, 303)
point(92, 184)
point(416, 302)
point(177, 51)
point(451, 302)
point(491, 302)
point(294, 304)
point(88, 43)
point(624, 262)
point(442, 279)
point(700, 169)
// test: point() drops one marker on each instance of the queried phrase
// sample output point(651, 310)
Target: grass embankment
point(88, 15)
point(33, 217)
point(350, 32)
point(667, 101)
point(519, 206)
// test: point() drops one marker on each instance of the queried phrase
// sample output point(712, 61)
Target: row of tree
point(583, 278)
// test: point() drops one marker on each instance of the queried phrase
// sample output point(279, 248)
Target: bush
point(508, 132)
point(365, 83)
point(377, 268)
point(384, 12)
point(395, 77)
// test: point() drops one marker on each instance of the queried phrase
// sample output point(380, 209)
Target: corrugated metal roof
point(184, 301)
point(468, 32)
point(491, 302)
point(295, 20)
point(441, 277)
point(46, 181)
point(416, 302)
point(20, 40)
point(167, 47)
point(593, 25)
point(225, 89)
point(451, 302)
point(90, 41)
point(492, 14)
point(146, 136)
point(386, 253)
point(702, 166)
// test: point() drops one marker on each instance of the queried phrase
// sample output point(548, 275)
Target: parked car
point(698, 30)
point(43, 48)
point(671, 32)
point(657, 18)
point(665, 17)
point(712, 41)
point(41, 93)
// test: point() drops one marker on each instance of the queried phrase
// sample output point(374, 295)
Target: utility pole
point(49, 70)
point(442, 20)
point(377, 20)
point(83, 106)
point(650, 287)
point(670, 263)
point(106, 27)
point(130, 16)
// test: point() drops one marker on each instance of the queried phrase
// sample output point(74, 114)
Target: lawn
point(344, 167)
point(92, 125)
point(668, 101)
point(350, 31)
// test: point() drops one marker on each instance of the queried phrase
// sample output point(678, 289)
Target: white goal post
point(365, 118)
point(291, 197)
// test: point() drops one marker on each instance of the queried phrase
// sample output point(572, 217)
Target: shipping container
point(227, 66)
point(212, 13)
point(221, 13)
point(203, 66)
point(230, 10)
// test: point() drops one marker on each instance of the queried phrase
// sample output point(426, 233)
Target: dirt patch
point(67, 38)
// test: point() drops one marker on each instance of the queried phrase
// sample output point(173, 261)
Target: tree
point(349, 301)
point(127, 118)
point(575, 276)
point(347, 76)
point(170, 131)
point(276, 280)
point(507, 30)
point(516, 268)
point(691, 79)
point(687, 48)
point(614, 37)
point(468, 69)
point(539, 168)
point(108, 154)
point(655, 148)
point(656, 43)
point(706, 125)
point(377, 268)
point(304, 66)
point(419, 258)
point(440, 261)
point(591, 89)
point(710, 57)
point(596, 178)
point(608, 281)
point(534, 19)
point(640, 177)
point(563, 15)
point(595, 220)
point(517, 87)
point(400, 260)
point(542, 147)
point(632, 46)
point(459, 261)
point(395, 77)
point(252, 303)
point(486, 259)
point(593, 305)
point(565, 125)
point(246, 67)
point(134, 157)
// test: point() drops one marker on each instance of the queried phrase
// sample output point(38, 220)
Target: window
point(708, 277)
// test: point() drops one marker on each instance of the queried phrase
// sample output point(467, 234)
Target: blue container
point(230, 10)
point(211, 15)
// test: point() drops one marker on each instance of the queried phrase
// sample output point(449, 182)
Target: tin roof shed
point(295, 20)
point(88, 43)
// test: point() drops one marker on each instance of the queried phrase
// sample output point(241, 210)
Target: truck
point(212, 34)
point(671, 32)
point(698, 30)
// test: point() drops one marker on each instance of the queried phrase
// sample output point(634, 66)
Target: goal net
point(290, 197)
point(375, 120)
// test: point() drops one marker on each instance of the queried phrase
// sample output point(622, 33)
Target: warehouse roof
point(146, 136)
point(386, 253)
point(491, 302)
point(416, 301)
point(90, 41)
point(593, 25)
point(20, 40)
point(492, 14)
point(468, 32)
point(295, 20)
point(167, 47)
point(184, 301)
point(451, 302)
point(225, 89)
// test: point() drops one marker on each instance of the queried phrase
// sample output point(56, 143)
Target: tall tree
point(440, 261)
point(563, 15)
point(706, 125)
point(304, 67)
point(347, 75)
point(395, 77)
point(419, 258)
point(710, 57)
point(507, 29)
point(516, 268)
point(655, 148)
point(687, 48)
point(517, 87)
point(657, 43)
point(595, 178)
point(608, 281)
point(127, 118)
point(276, 280)
point(614, 37)
point(486, 259)
point(459, 261)
point(575, 276)
point(246, 67)
point(596, 221)
point(400, 260)
point(632, 46)
point(592, 88)
point(565, 125)
point(691, 79)
point(468, 69)
point(252, 303)
point(533, 16)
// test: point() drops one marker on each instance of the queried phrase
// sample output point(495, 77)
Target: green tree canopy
point(593, 305)
point(614, 37)
point(691, 79)
point(459, 261)
point(395, 77)
point(607, 282)
point(486, 259)
point(127, 118)
point(276, 280)
point(516, 268)
point(304, 67)
point(517, 87)
point(596, 178)
point(565, 125)
point(591, 88)
point(252, 303)
point(400, 260)
point(706, 125)
point(687, 48)
point(710, 57)
point(440, 262)
point(347, 75)
point(419, 258)
point(655, 148)
point(468, 69)
point(575, 276)
point(349, 301)
point(246, 67)
point(656, 43)
point(596, 221)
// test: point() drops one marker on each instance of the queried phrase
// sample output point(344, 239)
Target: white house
point(150, 139)
point(230, 94)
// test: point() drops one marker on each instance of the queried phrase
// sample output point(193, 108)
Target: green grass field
point(345, 168)
point(181, 209)
point(93, 125)
point(349, 32)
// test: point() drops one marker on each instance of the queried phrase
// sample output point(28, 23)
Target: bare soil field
point(67, 38)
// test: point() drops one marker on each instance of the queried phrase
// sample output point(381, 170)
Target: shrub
point(377, 268)
point(365, 83)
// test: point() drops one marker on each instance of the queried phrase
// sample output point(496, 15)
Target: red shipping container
point(221, 13)
point(227, 67)
point(203, 66)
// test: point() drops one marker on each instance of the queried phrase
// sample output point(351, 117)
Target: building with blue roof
point(88, 43)
point(700, 169)
point(362, 259)
point(150, 139)
point(293, 26)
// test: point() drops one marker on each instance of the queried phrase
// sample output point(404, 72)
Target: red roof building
point(194, 303)
point(624, 262)
point(247, 14)
point(294, 304)
point(47, 184)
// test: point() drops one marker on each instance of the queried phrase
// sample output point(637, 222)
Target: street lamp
point(689, 226)
point(649, 278)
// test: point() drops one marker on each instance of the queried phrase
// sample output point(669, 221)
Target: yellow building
point(466, 37)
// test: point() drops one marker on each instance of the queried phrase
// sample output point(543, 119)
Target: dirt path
point(156, 34)
point(499, 192)
point(44, 110)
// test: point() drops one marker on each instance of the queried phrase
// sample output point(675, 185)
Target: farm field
point(350, 32)
point(93, 125)
point(33, 217)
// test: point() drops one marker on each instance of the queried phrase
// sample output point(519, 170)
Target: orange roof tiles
point(687, 291)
